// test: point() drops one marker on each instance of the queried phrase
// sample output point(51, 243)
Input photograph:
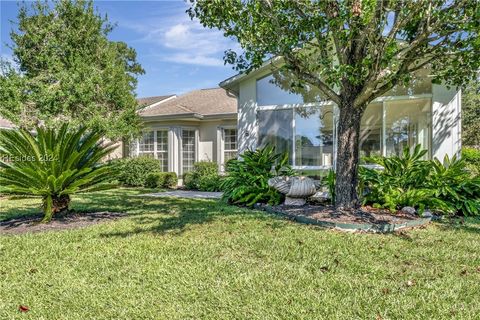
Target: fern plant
point(53, 164)
point(247, 178)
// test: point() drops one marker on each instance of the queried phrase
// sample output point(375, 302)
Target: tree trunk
point(347, 155)
point(54, 204)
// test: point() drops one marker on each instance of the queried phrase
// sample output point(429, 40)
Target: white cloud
point(180, 40)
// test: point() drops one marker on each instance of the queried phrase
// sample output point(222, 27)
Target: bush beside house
point(161, 180)
point(445, 187)
point(134, 172)
point(203, 177)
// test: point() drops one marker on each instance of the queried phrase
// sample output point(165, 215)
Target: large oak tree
point(68, 70)
point(352, 51)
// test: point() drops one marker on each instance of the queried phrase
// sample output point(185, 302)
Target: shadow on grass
point(471, 224)
point(174, 215)
point(30, 210)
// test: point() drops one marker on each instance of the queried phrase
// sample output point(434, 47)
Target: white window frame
point(180, 146)
point(307, 105)
point(221, 145)
point(336, 114)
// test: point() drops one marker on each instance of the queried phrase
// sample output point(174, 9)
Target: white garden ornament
point(295, 189)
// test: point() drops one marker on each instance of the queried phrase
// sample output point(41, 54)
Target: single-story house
point(426, 114)
point(181, 130)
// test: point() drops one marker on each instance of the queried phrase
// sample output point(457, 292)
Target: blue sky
point(178, 54)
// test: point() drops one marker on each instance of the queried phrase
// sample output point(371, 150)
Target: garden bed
point(362, 219)
point(71, 221)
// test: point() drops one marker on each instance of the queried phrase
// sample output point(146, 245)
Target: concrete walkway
point(188, 194)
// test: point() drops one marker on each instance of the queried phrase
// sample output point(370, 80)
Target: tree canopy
point(352, 51)
point(68, 70)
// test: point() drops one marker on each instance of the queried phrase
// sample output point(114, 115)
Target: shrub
point(159, 179)
point(410, 181)
point(472, 159)
point(170, 180)
point(247, 179)
point(134, 171)
point(203, 177)
point(60, 163)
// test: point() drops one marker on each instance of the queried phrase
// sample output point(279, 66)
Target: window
point(146, 144)
point(314, 136)
point(275, 129)
point(230, 147)
point(371, 129)
point(269, 93)
point(188, 150)
point(162, 149)
point(407, 123)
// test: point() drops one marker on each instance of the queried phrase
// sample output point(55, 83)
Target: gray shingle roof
point(144, 102)
point(203, 102)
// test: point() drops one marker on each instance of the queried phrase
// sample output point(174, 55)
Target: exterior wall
point(247, 116)
point(446, 124)
point(208, 146)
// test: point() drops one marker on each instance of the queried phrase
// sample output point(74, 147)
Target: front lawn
point(178, 259)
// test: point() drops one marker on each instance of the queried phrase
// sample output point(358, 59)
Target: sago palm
point(53, 164)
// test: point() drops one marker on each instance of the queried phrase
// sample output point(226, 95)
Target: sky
point(178, 55)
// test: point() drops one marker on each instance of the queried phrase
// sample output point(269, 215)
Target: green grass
point(199, 259)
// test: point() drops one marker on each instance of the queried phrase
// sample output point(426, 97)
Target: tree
point(471, 115)
point(53, 164)
point(351, 51)
point(68, 70)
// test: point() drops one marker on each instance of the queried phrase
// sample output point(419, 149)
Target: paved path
point(190, 194)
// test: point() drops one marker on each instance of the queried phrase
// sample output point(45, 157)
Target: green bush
point(472, 159)
point(133, 172)
point(409, 180)
point(247, 179)
point(203, 177)
point(53, 164)
point(170, 180)
point(159, 179)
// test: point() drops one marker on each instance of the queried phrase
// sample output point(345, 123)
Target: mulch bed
point(362, 219)
point(365, 214)
point(69, 221)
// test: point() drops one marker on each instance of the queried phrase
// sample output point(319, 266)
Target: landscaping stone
point(409, 210)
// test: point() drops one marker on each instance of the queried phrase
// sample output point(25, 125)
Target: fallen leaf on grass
point(385, 290)
point(22, 308)
point(324, 269)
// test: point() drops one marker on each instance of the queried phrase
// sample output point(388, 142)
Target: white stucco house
point(427, 114)
point(181, 130)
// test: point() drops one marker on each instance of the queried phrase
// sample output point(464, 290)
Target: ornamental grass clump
point(53, 164)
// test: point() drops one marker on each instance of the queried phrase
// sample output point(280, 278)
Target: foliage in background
point(471, 114)
point(53, 164)
point(159, 179)
point(472, 159)
point(134, 171)
point(408, 180)
point(246, 182)
point(203, 177)
point(68, 70)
